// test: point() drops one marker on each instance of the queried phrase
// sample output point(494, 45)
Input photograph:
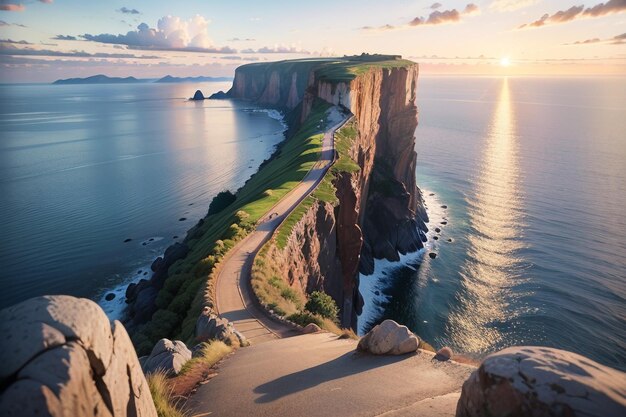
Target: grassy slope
point(269, 286)
point(179, 301)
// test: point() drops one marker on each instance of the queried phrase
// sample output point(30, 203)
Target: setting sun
point(505, 62)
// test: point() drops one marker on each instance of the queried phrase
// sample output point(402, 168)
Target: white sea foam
point(370, 285)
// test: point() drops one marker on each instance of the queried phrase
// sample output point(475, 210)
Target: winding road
point(233, 293)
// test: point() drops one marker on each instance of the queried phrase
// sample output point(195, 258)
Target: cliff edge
point(377, 210)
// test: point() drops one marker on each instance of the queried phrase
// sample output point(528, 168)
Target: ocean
point(83, 168)
point(525, 184)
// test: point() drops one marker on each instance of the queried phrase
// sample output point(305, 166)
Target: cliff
point(378, 212)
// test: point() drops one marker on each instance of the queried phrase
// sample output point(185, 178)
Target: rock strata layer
point(61, 356)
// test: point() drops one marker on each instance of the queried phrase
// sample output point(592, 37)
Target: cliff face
point(380, 212)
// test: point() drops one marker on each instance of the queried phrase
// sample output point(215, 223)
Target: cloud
point(241, 40)
point(126, 10)
point(65, 38)
point(434, 18)
point(15, 42)
point(435, 6)
point(171, 34)
point(615, 40)
point(3, 23)
point(511, 5)
point(276, 49)
point(578, 12)
point(8, 48)
point(9, 7)
point(13, 7)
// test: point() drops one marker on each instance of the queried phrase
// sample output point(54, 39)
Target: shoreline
point(116, 308)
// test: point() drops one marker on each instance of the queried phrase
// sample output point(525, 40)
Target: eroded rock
point(542, 382)
point(211, 327)
point(389, 338)
point(61, 357)
point(167, 356)
point(311, 328)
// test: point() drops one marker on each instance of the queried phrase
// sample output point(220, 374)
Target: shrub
point(221, 201)
point(277, 310)
point(322, 304)
point(162, 395)
point(289, 294)
point(304, 318)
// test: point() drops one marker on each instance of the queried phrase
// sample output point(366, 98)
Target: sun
point(505, 62)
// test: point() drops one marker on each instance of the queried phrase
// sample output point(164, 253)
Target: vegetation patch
point(181, 299)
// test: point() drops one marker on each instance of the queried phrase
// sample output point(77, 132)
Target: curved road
point(234, 298)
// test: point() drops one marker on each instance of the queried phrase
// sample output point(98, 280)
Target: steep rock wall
point(380, 212)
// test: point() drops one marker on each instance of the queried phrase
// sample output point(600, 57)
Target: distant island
point(99, 79)
point(103, 79)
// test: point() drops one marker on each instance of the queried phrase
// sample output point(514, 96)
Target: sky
point(44, 40)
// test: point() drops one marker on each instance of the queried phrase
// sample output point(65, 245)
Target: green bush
point(289, 294)
point(322, 304)
point(304, 318)
point(221, 201)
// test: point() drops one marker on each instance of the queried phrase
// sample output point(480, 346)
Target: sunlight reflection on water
point(492, 265)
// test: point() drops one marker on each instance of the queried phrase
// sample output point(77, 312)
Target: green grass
point(344, 70)
point(182, 297)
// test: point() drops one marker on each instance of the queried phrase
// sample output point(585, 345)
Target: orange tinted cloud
point(577, 12)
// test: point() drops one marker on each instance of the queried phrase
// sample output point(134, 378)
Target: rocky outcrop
point(198, 96)
point(168, 357)
point(61, 356)
point(542, 382)
point(211, 327)
point(380, 212)
point(141, 297)
point(389, 338)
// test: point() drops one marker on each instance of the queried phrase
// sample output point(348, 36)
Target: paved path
point(235, 300)
point(320, 375)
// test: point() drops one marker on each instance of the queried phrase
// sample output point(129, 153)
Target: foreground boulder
point(61, 356)
point(542, 382)
point(167, 356)
point(389, 338)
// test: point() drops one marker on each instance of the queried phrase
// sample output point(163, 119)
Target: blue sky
point(202, 37)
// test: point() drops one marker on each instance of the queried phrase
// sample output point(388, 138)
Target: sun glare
point(505, 62)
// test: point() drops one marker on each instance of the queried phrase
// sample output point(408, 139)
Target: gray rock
point(61, 357)
point(311, 328)
point(167, 356)
point(211, 327)
point(542, 382)
point(389, 338)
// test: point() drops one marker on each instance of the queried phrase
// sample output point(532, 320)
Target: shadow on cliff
point(348, 364)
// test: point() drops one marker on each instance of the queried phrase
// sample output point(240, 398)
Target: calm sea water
point(533, 174)
point(85, 167)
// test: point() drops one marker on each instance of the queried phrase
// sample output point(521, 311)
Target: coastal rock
point(311, 328)
point(167, 356)
point(61, 356)
point(389, 338)
point(211, 327)
point(444, 354)
point(220, 95)
point(198, 95)
point(542, 382)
